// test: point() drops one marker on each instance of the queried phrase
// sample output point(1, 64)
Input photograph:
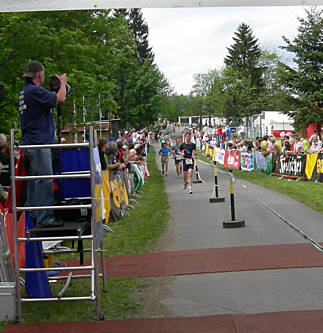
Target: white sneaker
point(185, 185)
point(189, 190)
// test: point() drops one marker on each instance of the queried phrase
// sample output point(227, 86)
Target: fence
point(307, 166)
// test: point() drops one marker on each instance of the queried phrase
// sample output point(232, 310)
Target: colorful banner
point(291, 165)
point(247, 161)
point(232, 159)
point(263, 163)
point(115, 194)
point(314, 167)
point(219, 155)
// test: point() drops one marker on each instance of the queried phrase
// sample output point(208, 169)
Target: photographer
point(38, 127)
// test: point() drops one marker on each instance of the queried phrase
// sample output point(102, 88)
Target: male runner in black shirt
point(188, 151)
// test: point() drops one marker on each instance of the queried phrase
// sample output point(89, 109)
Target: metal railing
point(94, 248)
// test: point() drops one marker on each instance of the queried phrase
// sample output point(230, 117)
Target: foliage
point(303, 82)
point(208, 89)
point(98, 52)
point(244, 56)
point(274, 94)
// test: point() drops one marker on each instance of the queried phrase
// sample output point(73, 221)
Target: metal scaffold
point(74, 231)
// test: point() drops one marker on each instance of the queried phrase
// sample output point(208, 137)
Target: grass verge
point(137, 233)
point(305, 192)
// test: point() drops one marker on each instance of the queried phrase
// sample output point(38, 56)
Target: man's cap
point(32, 68)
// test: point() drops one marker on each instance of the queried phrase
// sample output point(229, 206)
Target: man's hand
point(62, 78)
point(61, 94)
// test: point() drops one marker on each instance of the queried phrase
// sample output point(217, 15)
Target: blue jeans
point(40, 192)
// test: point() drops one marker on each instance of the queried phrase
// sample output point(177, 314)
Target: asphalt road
point(197, 224)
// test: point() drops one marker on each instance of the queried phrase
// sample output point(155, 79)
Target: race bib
point(178, 157)
point(189, 161)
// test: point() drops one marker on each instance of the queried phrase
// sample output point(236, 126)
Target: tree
point(140, 31)
point(208, 89)
point(97, 51)
point(303, 82)
point(244, 55)
point(243, 84)
point(274, 94)
point(241, 97)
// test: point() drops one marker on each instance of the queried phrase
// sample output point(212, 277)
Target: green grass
point(306, 192)
point(139, 232)
point(136, 233)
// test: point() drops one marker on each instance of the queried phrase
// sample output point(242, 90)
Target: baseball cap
point(32, 68)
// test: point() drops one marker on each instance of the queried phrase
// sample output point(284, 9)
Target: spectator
point(271, 145)
point(277, 147)
point(299, 148)
point(264, 145)
point(241, 131)
point(110, 159)
point(316, 144)
point(305, 144)
point(102, 146)
point(5, 162)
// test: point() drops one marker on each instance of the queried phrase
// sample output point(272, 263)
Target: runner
point(163, 152)
point(177, 158)
point(187, 150)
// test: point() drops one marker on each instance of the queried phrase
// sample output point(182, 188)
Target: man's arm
point(61, 94)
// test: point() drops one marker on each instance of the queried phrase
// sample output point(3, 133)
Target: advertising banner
point(263, 163)
point(314, 167)
point(219, 155)
point(115, 194)
point(247, 161)
point(232, 159)
point(291, 165)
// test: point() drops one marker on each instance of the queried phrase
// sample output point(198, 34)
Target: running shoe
point(189, 190)
point(185, 185)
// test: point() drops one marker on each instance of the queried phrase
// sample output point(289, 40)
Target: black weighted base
point(233, 224)
point(216, 199)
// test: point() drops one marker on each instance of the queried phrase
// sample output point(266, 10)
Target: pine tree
point(140, 32)
point(244, 55)
point(304, 81)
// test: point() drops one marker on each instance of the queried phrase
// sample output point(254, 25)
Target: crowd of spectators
point(130, 148)
point(226, 138)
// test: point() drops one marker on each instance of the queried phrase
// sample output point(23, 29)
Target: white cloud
point(187, 41)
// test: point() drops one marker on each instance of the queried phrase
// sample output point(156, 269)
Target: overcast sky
point(187, 41)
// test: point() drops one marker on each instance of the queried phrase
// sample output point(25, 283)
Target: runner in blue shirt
point(163, 152)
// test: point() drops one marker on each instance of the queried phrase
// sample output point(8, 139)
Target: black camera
point(55, 84)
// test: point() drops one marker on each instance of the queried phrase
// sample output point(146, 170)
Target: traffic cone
point(37, 284)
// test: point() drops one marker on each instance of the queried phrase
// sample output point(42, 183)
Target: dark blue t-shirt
point(36, 121)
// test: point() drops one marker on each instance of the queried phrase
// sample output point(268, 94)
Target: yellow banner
point(106, 194)
point(213, 157)
point(206, 150)
point(310, 164)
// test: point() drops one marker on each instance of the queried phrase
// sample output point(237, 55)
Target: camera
point(55, 84)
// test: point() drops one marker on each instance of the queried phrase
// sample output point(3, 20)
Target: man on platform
point(38, 128)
